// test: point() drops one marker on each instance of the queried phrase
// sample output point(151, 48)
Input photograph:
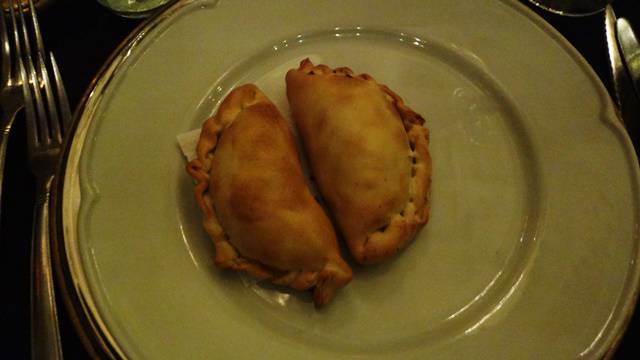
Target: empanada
point(256, 205)
point(369, 154)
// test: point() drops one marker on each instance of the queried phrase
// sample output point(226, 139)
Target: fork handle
point(45, 334)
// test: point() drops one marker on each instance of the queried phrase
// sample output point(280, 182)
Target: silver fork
point(47, 116)
point(11, 87)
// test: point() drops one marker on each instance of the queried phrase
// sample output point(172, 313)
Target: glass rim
point(568, 12)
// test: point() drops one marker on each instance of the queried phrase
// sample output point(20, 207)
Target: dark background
point(82, 35)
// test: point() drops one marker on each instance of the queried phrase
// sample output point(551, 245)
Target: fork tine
point(26, 54)
point(26, 44)
point(53, 124)
point(36, 28)
point(41, 123)
point(16, 35)
point(45, 131)
point(6, 55)
point(28, 106)
point(63, 101)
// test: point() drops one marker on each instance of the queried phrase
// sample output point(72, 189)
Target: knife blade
point(630, 51)
point(625, 94)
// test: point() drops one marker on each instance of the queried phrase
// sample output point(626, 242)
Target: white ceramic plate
point(532, 247)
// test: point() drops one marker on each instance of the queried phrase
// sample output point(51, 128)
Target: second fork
point(47, 115)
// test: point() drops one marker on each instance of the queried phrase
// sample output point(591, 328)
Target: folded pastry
point(369, 154)
point(256, 205)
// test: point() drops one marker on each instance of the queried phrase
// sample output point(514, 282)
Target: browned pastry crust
point(369, 154)
point(256, 206)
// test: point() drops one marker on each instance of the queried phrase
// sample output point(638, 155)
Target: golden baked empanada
point(256, 205)
point(369, 154)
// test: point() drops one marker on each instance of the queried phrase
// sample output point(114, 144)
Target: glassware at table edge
point(39, 4)
point(134, 8)
point(572, 7)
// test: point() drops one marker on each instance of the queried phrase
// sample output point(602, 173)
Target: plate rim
point(93, 334)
